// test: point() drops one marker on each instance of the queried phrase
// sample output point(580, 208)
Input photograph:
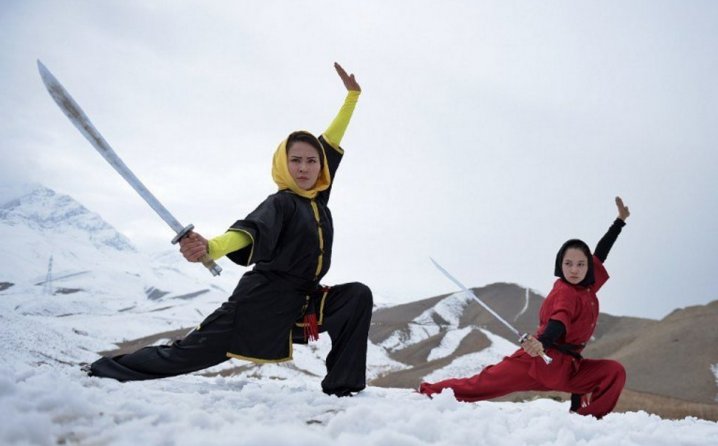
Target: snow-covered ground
point(54, 404)
point(122, 294)
point(471, 364)
point(45, 399)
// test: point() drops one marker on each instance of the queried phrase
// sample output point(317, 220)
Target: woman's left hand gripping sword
point(73, 111)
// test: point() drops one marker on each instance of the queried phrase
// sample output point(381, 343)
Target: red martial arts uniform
point(577, 308)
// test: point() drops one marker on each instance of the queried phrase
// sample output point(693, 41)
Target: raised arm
point(604, 245)
point(335, 132)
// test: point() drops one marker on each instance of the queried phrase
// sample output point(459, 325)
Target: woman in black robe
point(288, 239)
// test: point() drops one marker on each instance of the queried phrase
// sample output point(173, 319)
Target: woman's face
point(574, 266)
point(304, 164)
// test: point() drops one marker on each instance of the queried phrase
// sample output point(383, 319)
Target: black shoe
point(340, 393)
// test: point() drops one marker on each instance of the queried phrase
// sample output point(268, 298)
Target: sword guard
point(206, 260)
point(180, 235)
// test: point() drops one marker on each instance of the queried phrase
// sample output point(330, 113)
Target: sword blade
point(471, 293)
point(73, 111)
point(78, 117)
point(522, 337)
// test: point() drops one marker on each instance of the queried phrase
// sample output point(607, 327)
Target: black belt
point(570, 349)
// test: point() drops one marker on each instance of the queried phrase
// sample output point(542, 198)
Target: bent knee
point(361, 293)
point(617, 371)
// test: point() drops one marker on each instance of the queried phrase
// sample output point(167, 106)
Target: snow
point(449, 343)
point(471, 364)
point(45, 399)
point(425, 325)
point(525, 307)
point(48, 404)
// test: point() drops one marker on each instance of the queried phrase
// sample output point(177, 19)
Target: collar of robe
point(284, 180)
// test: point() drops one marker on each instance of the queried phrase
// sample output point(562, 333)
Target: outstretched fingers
point(623, 212)
point(349, 81)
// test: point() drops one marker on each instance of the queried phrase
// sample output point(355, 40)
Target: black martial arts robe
point(291, 250)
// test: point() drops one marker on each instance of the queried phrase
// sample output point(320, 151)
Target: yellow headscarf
point(284, 180)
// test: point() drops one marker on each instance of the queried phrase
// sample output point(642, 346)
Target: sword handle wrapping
point(206, 259)
point(210, 265)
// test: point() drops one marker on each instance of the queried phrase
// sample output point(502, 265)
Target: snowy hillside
point(45, 400)
point(91, 267)
point(105, 291)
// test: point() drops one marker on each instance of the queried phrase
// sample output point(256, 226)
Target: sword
point(73, 111)
point(522, 337)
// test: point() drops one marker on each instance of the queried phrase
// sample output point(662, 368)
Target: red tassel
point(311, 330)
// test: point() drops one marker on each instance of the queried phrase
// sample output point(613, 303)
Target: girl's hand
point(623, 212)
point(193, 247)
point(349, 82)
point(532, 346)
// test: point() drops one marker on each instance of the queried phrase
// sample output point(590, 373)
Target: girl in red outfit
point(567, 320)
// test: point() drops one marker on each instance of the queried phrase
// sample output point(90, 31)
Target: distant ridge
point(672, 357)
point(42, 209)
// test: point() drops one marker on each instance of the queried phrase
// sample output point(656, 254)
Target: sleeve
point(564, 307)
point(332, 137)
point(552, 333)
point(230, 241)
point(600, 274)
point(604, 245)
point(335, 132)
point(263, 227)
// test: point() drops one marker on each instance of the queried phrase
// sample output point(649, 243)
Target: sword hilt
point(210, 265)
point(546, 358)
point(206, 259)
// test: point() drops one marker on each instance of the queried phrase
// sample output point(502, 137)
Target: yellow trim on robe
point(320, 260)
point(266, 361)
point(320, 321)
point(251, 251)
point(321, 308)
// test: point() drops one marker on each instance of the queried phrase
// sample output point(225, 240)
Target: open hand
point(350, 82)
point(623, 211)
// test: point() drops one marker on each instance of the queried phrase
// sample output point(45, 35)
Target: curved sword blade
point(73, 111)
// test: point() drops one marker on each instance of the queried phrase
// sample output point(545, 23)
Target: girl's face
point(304, 164)
point(574, 266)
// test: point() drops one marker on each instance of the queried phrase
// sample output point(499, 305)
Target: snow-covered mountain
point(46, 212)
point(62, 260)
point(105, 294)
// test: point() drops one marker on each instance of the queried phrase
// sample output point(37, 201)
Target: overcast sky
point(487, 133)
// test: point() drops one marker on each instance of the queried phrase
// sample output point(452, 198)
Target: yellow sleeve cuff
point(334, 134)
point(230, 241)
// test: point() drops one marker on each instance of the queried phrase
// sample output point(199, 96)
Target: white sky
point(488, 132)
